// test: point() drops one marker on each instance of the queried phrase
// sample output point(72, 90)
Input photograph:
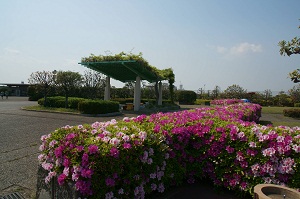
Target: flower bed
point(224, 102)
point(146, 154)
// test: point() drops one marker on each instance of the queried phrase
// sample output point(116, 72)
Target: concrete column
point(137, 94)
point(159, 93)
point(107, 89)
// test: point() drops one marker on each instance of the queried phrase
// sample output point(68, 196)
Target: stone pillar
point(107, 89)
point(137, 94)
point(159, 93)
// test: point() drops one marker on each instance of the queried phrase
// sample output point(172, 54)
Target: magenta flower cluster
point(146, 154)
point(225, 102)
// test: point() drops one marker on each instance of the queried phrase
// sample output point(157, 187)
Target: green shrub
point(292, 113)
point(199, 101)
point(33, 93)
point(207, 102)
point(57, 101)
point(98, 106)
point(130, 100)
point(60, 101)
point(74, 101)
point(297, 104)
point(186, 97)
point(41, 101)
point(123, 100)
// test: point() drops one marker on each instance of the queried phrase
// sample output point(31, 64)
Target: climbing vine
point(165, 74)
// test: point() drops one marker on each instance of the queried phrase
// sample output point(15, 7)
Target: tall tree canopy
point(43, 80)
point(68, 80)
point(235, 91)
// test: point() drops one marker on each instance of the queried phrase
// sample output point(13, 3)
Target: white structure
point(137, 94)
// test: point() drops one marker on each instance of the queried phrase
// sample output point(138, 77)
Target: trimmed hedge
point(130, 100)
point(98, 106)
point(186, 97)
point(59, 102)
point(297, 105)
point(292, 113)
point(202, 102)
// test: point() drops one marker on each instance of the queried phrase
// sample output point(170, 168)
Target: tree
point(216, 92)
point(44, 80)
point(295, 76)
point(235, 91)
point(289, 48)
point(282, 99)
point(267, 94)
point(68, 81)
point(93, 83)
point(130, 86)
point(295, 94)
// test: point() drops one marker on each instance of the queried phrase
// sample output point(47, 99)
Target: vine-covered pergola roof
point(124, 70)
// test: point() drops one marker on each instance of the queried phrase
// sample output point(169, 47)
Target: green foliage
point(68, 81)
point(166, 74)
point(295, 93)
point(295, 75)
point(144, 101)
point(98, 106)
point(297, 105)
point(59, 102)
point(202, 102)
point(295, 113)
point(123, 100)
point(33, 93)
point(186, 97)
point(235, 92)
point(289, 48)
point(43, 81)
point(121, 57)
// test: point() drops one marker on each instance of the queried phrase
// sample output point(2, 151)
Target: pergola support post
point(137, 94)
point(107, 89)
point(159, 93)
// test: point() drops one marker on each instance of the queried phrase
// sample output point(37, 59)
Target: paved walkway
point(20, 133)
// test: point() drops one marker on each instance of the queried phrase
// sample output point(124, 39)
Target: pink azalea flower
point(93, 149)
point(153, 187)
point(87, 173)
point(61, 179)
point(114, 152)
point(126, 145)
point(161, 188)
point(269, 152)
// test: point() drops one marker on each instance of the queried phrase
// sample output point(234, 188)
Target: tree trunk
point(45, 95)
point(66, 104)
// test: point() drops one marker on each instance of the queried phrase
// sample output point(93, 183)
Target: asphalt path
point(20, 133)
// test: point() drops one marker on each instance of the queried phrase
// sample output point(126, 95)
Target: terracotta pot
point(272, 191)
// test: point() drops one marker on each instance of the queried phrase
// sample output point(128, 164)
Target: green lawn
point(50, 109)
point(276, 118)
point(275, 109)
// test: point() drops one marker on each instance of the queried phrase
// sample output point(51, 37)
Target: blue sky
point(207, 43)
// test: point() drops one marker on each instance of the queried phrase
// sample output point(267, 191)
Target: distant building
point(15, 89)
point(181, 87)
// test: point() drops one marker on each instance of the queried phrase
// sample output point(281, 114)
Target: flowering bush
point(137, 156)
point(225, 101)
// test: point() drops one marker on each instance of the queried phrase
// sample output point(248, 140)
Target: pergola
point(126, 71)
